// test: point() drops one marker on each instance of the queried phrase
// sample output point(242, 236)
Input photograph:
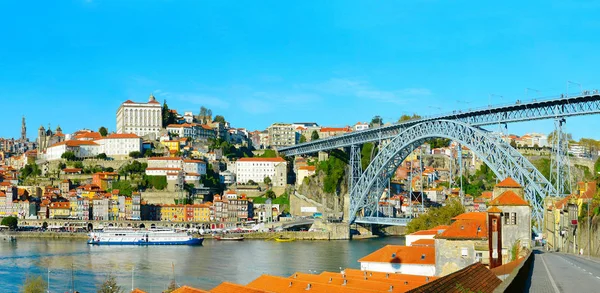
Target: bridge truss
point(502, 159)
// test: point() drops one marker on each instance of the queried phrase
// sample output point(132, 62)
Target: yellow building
point(172, 145)
point(60, 210)
point(172, 213)
point(587, 191)
point(201, 213)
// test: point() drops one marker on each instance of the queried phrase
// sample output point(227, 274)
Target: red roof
point(307, 168)
point(486, 194)
point(424, 242)
point(122, 135)
point(74, 143)
point(256, 159)
point(466, 229)
point(402, 254)
point(480, 216)
point(509, 198)
point(474, 278)
point(509, 183)
point(164, 159)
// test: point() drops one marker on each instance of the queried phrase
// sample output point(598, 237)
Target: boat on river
point(160, 236)
point(284, 239)
point(229, 238)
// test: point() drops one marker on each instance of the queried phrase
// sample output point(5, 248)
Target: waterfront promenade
point(554, 272)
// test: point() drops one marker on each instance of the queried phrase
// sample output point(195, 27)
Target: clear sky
point(74, 62)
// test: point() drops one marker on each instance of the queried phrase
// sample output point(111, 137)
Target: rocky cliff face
point(312, 187)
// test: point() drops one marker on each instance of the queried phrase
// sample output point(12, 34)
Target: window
point(478, 256)
point(464, 252)
point(506, 218)
point(513, 218)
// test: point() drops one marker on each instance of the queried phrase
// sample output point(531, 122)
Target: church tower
point(41, 138)
point(23, 130)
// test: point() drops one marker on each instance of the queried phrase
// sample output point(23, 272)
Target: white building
point(120, 145)
point(81, 149)
point(395, 259)
point(281, 134)
point(361, 126)
point(176, 169)
point(256, 169)
point(140, 118)
point(303, 172)
point(188, 117)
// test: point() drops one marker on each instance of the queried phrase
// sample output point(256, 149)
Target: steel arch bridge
point(502, 159)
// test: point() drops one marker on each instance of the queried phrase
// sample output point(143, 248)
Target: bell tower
point(23, 130)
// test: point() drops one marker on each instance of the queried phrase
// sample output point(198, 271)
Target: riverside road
point(558, 272)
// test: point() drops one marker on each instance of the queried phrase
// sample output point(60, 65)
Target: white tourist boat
point(159, 236)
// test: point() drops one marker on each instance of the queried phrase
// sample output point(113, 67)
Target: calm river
point(202, 267)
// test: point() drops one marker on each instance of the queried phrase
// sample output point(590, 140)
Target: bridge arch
point(502, 159)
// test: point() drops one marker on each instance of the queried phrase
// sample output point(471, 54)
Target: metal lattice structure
point(560, 170)
point(522, 111)
point(502, 159)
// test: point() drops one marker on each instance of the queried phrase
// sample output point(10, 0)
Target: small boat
point(120, 236)
point(283, 239)
point(229, 238)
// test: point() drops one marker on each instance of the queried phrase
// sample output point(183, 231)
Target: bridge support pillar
point(560, 170)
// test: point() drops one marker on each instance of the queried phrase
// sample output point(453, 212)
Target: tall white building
point(140, 118)
point(256, 169)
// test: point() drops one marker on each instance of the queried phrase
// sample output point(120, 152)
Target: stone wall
point(448, 254)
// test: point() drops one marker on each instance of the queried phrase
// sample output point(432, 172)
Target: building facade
point(140, 118)
point(257, 169)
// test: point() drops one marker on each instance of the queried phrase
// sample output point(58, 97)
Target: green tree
point(267, 180)
point(406, 117)
point(103, 131)
point(436, 216)
point(597, 168)
point(135, 154)
point(148, 153)
point(110, 286)
point(69, 156)
point(268, 154)
point(101, 156)
point(220, 119)
point(334, 169)
point(302, 139)
point(78, 164)
point(376, 121)
point(123, 186)
point(270, 194)
point(367, 154)
point(12, 222)
point(167, 116)
point(172, 287)
point(513, 143)
point(314, 135)
point(34, 284)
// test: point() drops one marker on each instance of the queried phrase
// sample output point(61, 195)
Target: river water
point(202, 267)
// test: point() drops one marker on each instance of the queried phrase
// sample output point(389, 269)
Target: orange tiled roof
point(122, 135)
point(494, 209)
point(227, 287)
point(279, 284)
point(357, 282)
point(424, 242)
point(474, 278)
point(402, 254)
point(508, 198)
point(466, 229)
point(164, 158)
point(379, 275)
point(187, 289)
point(308, 168)
point(509, 183)
point(136, 290)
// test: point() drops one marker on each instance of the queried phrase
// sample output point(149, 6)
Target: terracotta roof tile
point(187, 289)
point(474, 278)
point(509, 182)
point(227, 287)
point(508, 198)
point(402, 254)
point(466, 229)
point(424, 242)
point(480, 216)
point(279, 284)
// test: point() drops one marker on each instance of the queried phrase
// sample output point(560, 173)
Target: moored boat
point(229, 238)
point(111, 236)
point(283, 239)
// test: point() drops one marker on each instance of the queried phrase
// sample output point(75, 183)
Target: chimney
point(391, 288)
point(345, 282)
point(495, 236)
point(308, 287)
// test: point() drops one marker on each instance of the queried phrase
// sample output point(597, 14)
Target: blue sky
point(256, 62)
